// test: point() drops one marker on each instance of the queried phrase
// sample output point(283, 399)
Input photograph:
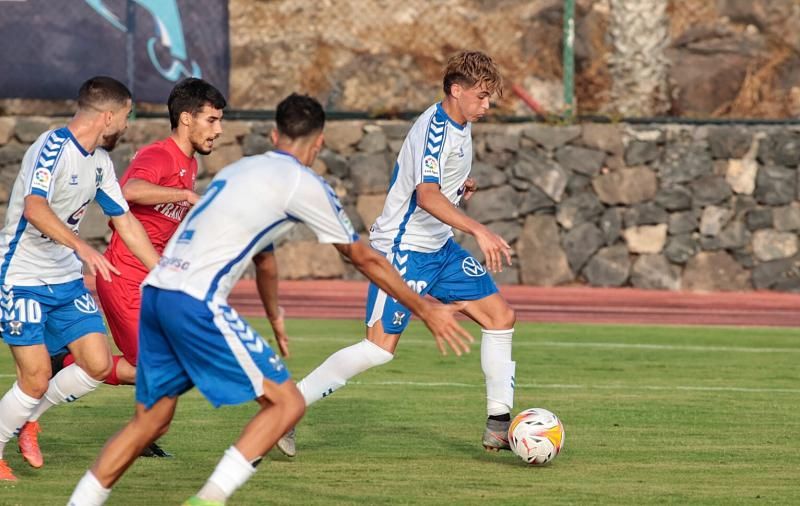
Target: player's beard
point(110, 141)
point(199, 147)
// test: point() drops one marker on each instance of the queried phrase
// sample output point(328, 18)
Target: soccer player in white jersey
point(414, 232)
point(189, 336)
point(44, 304)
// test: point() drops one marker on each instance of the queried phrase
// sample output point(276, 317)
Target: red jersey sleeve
point(149, 164)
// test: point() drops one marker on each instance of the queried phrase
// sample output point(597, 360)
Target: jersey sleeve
point(148, 165)
point(427, 151)
point(315, 203)
point(109, 194)
point(43, 165)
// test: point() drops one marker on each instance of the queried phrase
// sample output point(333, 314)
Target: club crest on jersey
point(41, 179)
point(472, 267)
point(86, 304)
point(73, 179)
point(98, 176)
point(430, 166)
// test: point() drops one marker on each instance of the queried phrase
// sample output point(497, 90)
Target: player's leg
point(16, 406)
point(282, 406)
point(464, 279)
point(122, 450)
point(121, 302)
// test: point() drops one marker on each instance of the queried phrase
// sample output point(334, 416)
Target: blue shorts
point(450, 275)
point(53, 315)
point(185, 342)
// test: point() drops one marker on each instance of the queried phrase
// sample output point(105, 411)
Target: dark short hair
point(100, 90)
point(299, 116)
point(190, 95)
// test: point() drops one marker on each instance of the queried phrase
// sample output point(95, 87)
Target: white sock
point(498, 368)
point(231, 473)
point(340, 367)
point(15, 409)
point(70, 384)
point(89, 492)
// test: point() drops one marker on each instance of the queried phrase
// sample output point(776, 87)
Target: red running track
point(346, 299)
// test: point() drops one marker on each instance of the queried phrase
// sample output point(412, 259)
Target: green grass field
point(653, 415)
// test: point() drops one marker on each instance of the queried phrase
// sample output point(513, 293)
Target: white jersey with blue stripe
point(436, 150)
point(247, 207)
point(57, 168)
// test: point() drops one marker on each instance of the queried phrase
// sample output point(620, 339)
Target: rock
point(319, 167)
point(683, 163)
point(500, 159)
point(741, 176)
point(7, 125)
point(781, 274)
point(508, 276)
point(355, 218)
point(683, 222)
point(714, 219)
point(674, 198)
point(369, 207)
point(611, 224)
point(734, 236)
point(29, 129)
point(498, 142)
point(681, 248)
point(533, 199)
point(232, 133)
point(370, 173)
point(713, 272)
point(94, 224)
point(509, 230)
point(308, 259)
point(654, 272)
point(641, 153)
point(759, 218)
point(709, 190)
point(373, 142)
point(741, 204)
point(542, 262)
point(12, 154)
point(709, 243)
point(580, 160)
point(709, 76)
point(578, 209)
point(780, 148)
point(395, 129)
point(144, 131)
point(221, 157)
point(550, 137)
point(775, 185)
point(769, 244)
point(578, 183)
point(603, 136)
point(786, 218)
point(121, 158)
point(581, 243)
point(341, 136)
point(262, 128)
point(626, 186)
point(254, 144)
point(729, 141)
point(493, 204)
point(646, 213)
point(543, 173)
point(337, 164)
point(646, 239)
point(609, 267)
point(487, 176)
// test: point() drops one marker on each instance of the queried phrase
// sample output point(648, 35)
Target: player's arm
point(39, 214)
point(493, 247)
point(267, 284)
point(140, 191)
point(135, 238)
point(438, 318)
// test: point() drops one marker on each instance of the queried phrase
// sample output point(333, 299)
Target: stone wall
point(671, 207)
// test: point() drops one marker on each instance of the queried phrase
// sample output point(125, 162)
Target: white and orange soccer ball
point(536, 435)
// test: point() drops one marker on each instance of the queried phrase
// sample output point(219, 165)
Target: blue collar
point(66, 131)
point(440, 111)
point(286, 153)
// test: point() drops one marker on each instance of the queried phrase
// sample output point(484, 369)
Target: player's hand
point(470, 187)
point(191, 197)
point(279, 330)
point(494, 248)
point(440, 320)
point(96, 264)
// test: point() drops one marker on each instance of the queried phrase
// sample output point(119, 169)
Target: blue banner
point(48, 48)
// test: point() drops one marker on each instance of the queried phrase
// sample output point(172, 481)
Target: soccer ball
point(536, 435)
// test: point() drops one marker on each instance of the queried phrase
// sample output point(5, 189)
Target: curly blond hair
point(469, 68)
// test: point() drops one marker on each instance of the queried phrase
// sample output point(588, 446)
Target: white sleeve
point(427, 151)
point(109, 194)
point(315, 203)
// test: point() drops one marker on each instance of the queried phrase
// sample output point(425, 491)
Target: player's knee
point(98, 368)
point(294, 404)
point(36, 384)
point(503, 319)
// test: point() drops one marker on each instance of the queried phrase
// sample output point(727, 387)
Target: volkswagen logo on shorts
point(472, 267)
point(85, 304)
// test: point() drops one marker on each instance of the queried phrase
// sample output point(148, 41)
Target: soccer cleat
point(28, 440)
point(286, 444)
point(196, 501)
point(155, 451)
point(495, 437)
point(5, 472)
